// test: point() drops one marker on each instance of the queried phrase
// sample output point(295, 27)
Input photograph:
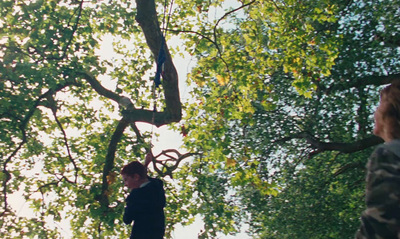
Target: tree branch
point(376, 80)
point(348, 167)
point(389, 41)
point(321, 146)
point(66, 144)
point(95, 84)
point(131, 114)
point(22, 126)
point(148, 21)
point(109, 161)
point(167, 169)
point(232, 11)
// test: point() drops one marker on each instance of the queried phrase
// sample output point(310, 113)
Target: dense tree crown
point(276, 133)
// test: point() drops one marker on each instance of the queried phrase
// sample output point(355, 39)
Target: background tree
point(285, 97)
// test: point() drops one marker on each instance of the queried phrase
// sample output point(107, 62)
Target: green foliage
point(56, 128)
point(272, 88)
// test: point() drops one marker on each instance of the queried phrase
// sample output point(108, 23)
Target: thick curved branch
point(96, 85)
point(344, 147)
point(131, 114)
point(148, 21)
point(109, 161)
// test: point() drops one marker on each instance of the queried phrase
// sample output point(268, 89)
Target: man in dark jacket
point(145, 203)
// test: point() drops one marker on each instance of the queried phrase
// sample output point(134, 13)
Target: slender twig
point(66, 144)
point(232, 11)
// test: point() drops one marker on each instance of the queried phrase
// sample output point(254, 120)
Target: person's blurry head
point(387, 115)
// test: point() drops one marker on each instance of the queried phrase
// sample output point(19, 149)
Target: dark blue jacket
point(145, 207)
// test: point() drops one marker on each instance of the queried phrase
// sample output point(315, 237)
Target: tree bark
point(148, 21)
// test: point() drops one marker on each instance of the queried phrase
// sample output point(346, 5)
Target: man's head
point(134, 174)
point(387, 115)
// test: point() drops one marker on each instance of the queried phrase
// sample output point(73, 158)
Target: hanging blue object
point(160, 62)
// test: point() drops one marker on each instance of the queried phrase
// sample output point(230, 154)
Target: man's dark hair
point(134, 167)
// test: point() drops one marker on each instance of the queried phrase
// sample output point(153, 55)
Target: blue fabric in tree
point(160, 62)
